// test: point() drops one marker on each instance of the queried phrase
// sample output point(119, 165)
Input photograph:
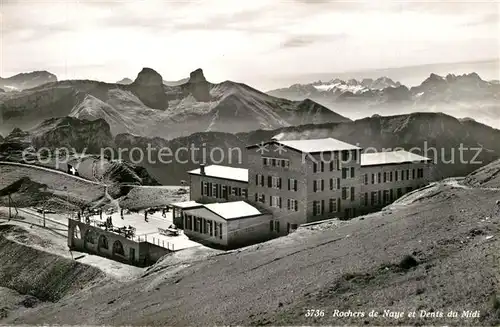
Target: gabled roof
point(390, 158)
point(314, 145)
point(224, 172)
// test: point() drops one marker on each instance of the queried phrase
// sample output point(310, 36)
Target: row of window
point(275, 182)
point(319, 207)
point(389, 176)
point(382, 197)
point(203, 226)
point(220, 191)
point(275, 201)
point(334, 163)
point(319, 184)
point(275, 162)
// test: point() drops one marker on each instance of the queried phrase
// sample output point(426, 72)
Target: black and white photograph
point(249, 163)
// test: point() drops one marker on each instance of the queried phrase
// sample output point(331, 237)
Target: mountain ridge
point(148, 107)
point(457, 95)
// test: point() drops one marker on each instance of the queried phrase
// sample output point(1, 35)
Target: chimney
point(202, 169)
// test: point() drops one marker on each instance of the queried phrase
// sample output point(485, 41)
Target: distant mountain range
point(458, 95)
point(149, 107)
point(25, 81)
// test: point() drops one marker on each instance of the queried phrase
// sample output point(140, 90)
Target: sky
point(255, 41)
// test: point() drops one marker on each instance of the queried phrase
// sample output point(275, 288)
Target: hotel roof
point(314, 145)
point(392, 157)
point(224, 172)
point(186, 204)
point(233, 210)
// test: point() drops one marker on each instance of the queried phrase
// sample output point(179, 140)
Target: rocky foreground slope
point(435, 254)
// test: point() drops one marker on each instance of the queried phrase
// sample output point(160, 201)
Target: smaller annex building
point(227, 224)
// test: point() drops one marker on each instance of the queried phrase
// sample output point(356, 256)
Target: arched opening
point(102, 244)
point(118, 248)
point(90, 237)
point(77, 233)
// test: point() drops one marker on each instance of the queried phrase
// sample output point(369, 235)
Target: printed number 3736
point(315, 313)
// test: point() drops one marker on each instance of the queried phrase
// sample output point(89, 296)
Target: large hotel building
point(289, 183)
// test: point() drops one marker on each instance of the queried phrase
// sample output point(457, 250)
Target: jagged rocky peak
point(148, 87)
point(197, 76)
point(148, 77)
point(198, 86)
point(434, 77)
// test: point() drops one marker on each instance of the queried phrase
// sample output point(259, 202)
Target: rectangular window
point(273, 162)
point(264, 161)
point(344, 193)
point(315, 167)
point(379, 179)
point(366, 199)
point(379, 197)
point(276, 182)
point(333, 205)
point(373, 178)
point(345, 156)
point(332, 183)
point(345, 172)
point(244, 192)
point(352, 173)
point(271, 225)
point(392, 194)
point(386, 196)
point(318, 185)
point(365, 179)
point(295, 185)
point(275, 201)
point(220, 228)
point(214, 190)
point(385, 177)
point(277, 226)
point(373, 198)
point(390, 176)
point(224, 192)
point(396, 175)
point(332, 165)
point(322, 164)
point(205, 188)
point(352, 193)
point(292, 205)
point(338, 183)
point(413, 174)
point(317, 207)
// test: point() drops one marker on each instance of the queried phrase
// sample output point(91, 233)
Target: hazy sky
point(243, 40)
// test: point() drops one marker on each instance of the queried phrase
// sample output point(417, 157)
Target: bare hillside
point(435, 251)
